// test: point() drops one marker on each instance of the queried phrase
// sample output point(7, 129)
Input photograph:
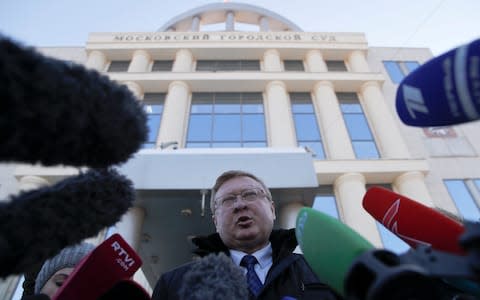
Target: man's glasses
point(248, 195)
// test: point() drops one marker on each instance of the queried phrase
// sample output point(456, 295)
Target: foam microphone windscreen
point(214, 277)
point(36, 225)
point(54, 112)
point(329, 246)
point(412, 221)
point(110, 262)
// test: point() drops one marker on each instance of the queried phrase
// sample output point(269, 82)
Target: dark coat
point(289, 275)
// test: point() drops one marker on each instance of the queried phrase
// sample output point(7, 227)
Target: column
point(271, 61)
point(183, 61)
point(96, 60)
point(315, 62)
point(230, 21)
point(358, 62)
point(288, 215)
point(388, 137)
point(278, 115)
point(412, 185)
point(195, 27)
point(141, 60)
point(334, 132)
point(135, 88)
point(264, 24)
point(349, 190)
point(130, 226)
point(31, 182)
point(175, 113)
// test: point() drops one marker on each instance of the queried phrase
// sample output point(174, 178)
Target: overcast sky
point(436, 24)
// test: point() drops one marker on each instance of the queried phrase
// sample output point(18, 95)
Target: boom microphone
point(102, 272)
point(214, 277)
point(413, 222)
point(54, 112)
point(443, 91)
point(36, 225)
point(329, 246)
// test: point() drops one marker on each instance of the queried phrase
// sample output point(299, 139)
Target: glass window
point(153, 105)
point(462, 196)
point(226, 120)
point(293, 65)
point(306, 125)
point(118, 66)
point(162, 65)
point(357, 126)
point(394, 71)
point(411, 65)
point(326, 204)
point(336, 66)
point(228, 65)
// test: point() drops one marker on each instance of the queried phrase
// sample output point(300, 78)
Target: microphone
point(412, 221)
point(329, 246)
point(54, 112)
point(36, 225)
point(214, 277)
point(101, 273)
point(443, 91)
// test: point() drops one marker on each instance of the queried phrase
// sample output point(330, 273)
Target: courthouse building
point(236, 86)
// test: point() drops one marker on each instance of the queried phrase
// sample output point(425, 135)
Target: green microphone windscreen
point(329, 246)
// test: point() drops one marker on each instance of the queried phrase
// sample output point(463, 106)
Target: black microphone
point(443, 91)
point(36, 225)
point(214, 277)
point(53, 112)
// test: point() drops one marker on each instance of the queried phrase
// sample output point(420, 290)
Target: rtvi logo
point(124, 260)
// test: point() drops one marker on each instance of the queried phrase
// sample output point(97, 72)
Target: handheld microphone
point(54, 112)
point(214, 277)
point(413, 222)
point(112, 261)
point(443, 91)
point(329, 246)
point(36, 225)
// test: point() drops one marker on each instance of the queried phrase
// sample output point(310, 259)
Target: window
point(162, 65)
point(153, 105)
point(306, 125)
point(326, 202)
point(226, 120)
point(228, 65)
point(293, 65)
point(465, 195)
point(357, 126)
point(397, 70)
point(336, 66)
point(118, 66)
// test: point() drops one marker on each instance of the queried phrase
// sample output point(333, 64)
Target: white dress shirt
point(263, 256)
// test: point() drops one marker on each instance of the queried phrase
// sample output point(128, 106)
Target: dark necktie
point(254, 283)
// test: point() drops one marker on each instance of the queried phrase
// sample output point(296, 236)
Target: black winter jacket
point(289, 275)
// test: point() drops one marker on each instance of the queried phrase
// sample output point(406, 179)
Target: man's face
point(246, 225)
point(55, 282)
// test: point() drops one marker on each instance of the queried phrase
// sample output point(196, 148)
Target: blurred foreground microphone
point(329, 246)
point(443, 91)
point(54, 112)
point(413, 222)
point(36, 225)
point(104, 273)
point(214, 277)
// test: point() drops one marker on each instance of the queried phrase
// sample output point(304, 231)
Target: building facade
point(235, 86)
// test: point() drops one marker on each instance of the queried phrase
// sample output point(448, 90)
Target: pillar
point(130, 226)
point(387, 134)
point(279, 117)
point(288, 215)
point(195, 27)
point(96, 60)
point(349, 190)
point(141, 60)
point(135, 88)
point(230, 21)
point(334, 132)
point(183, 61)
point(412, 185)
point(175, 113)
point(264, 24)
point(358, 62)
point(271, 61)
point(315, 62)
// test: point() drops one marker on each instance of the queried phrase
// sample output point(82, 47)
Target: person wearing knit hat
point(56, 270)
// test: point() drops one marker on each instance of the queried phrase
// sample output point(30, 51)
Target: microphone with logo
point(104, 274)
point(443, 91)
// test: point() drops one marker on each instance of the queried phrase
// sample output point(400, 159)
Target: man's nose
point(239, 202)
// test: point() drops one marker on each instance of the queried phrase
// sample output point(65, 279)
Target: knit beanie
point(67, 258)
